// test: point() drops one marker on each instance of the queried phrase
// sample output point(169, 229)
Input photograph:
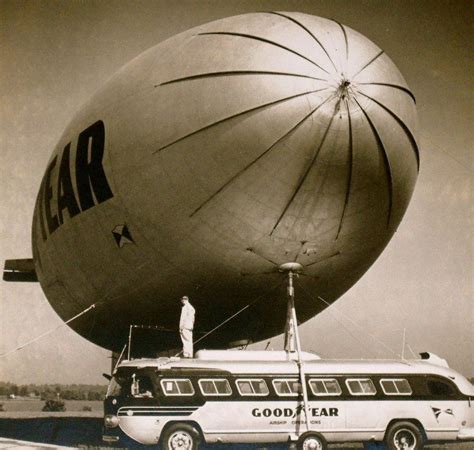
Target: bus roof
point(274, 363)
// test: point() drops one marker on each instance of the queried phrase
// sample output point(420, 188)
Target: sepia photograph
point(236, 224)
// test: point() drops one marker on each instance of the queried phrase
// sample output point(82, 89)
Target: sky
point(54, 55)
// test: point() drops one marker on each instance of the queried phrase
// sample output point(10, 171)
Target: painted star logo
point(122, 235)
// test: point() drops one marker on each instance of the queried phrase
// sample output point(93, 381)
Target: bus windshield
point(136, 384)
point(114, 389)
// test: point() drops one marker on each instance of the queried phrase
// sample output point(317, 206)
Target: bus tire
point(404, 435)
point(312, 441)
point(180, 436)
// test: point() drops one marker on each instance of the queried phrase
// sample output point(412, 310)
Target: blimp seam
point(252, 250)
point(237, 72)
point(309, 32)
point(394, 86)
point(244, 169)
point(320, 260)
point(298, 253)
point(349, 177)
point(402, 124)
point(255, 108)
point(266, 41)
point(368, 63)
point(308, 169)
point(387, 167)
point(345, 38)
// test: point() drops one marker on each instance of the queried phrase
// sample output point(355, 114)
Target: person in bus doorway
point(186, 325)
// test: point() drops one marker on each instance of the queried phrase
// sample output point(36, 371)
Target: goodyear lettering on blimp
point(291, 412)
point(91, 184)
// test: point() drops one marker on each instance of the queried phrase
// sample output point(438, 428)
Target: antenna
point(130, 341)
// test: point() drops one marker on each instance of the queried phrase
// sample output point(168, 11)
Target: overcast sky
point(55, 54)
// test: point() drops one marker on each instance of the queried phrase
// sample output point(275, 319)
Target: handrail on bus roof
point(252, 355)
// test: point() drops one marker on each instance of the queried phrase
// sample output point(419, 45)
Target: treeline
point(54, 391)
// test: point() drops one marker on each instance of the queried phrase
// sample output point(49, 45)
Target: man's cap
point(184, 297)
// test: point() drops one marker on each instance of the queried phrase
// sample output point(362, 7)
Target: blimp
point(209, 162)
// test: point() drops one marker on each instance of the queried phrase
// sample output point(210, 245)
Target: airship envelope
point(213, 158)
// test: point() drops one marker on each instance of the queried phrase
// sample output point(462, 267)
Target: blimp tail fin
point(19, 270)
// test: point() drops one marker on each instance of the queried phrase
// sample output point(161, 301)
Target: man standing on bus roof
point(186, 325)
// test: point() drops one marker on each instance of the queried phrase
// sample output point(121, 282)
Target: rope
point(232, 316)
point(85, 311)
point(354, 323)
point(438, 148)
point(412, 352)
point(352, 335)
point(41, 336)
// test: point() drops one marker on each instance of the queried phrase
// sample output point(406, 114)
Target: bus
point(231, 396)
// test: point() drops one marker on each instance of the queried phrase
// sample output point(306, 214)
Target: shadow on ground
point(86, 432)
point(81, 432)
point(68, 431)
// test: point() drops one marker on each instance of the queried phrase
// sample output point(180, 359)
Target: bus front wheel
point(404, 436)
point(180, 436)
point(312, 441)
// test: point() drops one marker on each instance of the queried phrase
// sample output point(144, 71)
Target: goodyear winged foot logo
point(438, 411)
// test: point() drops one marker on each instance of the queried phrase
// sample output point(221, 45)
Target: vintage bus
point(256, 397)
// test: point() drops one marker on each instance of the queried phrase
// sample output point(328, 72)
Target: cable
point(354, 323)
point(48, 332)
point(412, 352)
point(355, 337)
point(444, 152)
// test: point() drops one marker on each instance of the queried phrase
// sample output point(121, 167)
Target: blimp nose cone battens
point(284, 133)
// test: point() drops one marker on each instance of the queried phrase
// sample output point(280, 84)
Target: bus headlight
point(111, 421)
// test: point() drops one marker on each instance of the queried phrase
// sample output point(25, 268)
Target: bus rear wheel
point(404, 436)
point(312, 441)
point(180, 436)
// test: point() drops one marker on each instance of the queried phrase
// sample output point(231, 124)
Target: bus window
point(325, 386)
point(438, 387)
point(215, 387)
point(396, 386)
point(361, 386)
point(176, 387)
point(291, 387)
point(252, 386)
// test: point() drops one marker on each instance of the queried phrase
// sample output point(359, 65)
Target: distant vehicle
point(54, 405)
point(256, 397)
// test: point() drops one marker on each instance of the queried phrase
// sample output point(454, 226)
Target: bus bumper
point(466, 434)
point(115, 437)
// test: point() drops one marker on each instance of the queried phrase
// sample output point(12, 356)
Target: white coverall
point(186, 325)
